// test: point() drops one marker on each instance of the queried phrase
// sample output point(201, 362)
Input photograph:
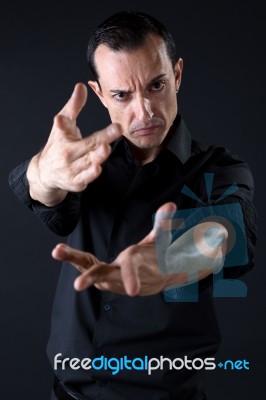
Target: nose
point(143, 108)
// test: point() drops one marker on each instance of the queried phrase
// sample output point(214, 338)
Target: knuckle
point(60, 121)
point(87, 160)
point(79, 185)
point(130, 251)
point(66, 153)
point(90, 141)
point(105, 149)
point(97, 138)
point(57, 119)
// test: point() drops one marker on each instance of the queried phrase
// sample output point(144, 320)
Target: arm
point(68, 162)
point(51, 182)
point(135, 271)
point(228, 170)
point(60, 219)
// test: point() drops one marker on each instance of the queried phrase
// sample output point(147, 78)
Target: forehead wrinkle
point(131, 69)
point(131, 74)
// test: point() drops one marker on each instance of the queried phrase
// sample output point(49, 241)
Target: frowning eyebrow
point(115, 91)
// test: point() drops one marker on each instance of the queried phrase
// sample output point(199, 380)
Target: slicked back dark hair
point(128, 30)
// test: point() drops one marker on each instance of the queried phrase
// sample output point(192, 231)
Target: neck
point(144, 156)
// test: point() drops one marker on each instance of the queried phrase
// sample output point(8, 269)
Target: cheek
point(171, 105)
point(166, 106)
point(113, 112)
point(120, 116)
point(118, 111)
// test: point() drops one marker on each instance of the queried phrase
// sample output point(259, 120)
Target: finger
point(79, 259)
point(76, 102)
point(114, 286)
point(163, 220)
point(99, 155)
point(66, 125)
point(130, 274)
point(91, 142)
point(163, 217)
point(98, 273)
point(94, 157)
point(107, 135)
point(81, 181)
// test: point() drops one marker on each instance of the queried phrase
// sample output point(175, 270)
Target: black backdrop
point(223, 101)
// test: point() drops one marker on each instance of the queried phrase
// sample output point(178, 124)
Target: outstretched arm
point(68, 162)
point(136, 270)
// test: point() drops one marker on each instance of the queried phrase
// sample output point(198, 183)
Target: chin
point(149, 141)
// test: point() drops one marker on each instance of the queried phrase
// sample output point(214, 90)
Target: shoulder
point(227, 167)
point(219, 157)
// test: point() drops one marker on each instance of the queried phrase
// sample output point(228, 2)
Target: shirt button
point(107, 307)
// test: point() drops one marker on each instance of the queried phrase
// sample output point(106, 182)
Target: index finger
point(106, 135)
point(81, 260)
point(92, 141)
point(129, 267)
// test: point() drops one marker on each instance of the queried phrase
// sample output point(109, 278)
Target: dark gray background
point(222, 98)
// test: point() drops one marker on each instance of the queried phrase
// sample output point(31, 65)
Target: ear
point(178, 73)
point(97, 89)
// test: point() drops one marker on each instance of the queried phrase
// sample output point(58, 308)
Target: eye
point(157, 86)
point(120, 96)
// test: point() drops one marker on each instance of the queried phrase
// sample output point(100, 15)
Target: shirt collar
point(179, 140)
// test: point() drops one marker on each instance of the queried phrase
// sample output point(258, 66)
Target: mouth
point(145, 131)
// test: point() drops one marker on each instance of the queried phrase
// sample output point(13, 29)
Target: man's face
point(139, 90)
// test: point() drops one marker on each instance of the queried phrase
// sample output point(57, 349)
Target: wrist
point(38, 190)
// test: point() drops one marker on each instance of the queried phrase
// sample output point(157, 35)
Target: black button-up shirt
point(114, 212)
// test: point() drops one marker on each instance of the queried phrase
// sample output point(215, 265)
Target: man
point(103, 191)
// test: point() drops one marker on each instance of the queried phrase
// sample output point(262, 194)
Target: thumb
point(76, 102)
point(162, 221)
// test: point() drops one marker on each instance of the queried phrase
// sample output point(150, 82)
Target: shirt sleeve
point(233, 184)
point(61, 219)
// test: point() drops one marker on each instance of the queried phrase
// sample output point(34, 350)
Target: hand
point(133, 272)
point(68, 162)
